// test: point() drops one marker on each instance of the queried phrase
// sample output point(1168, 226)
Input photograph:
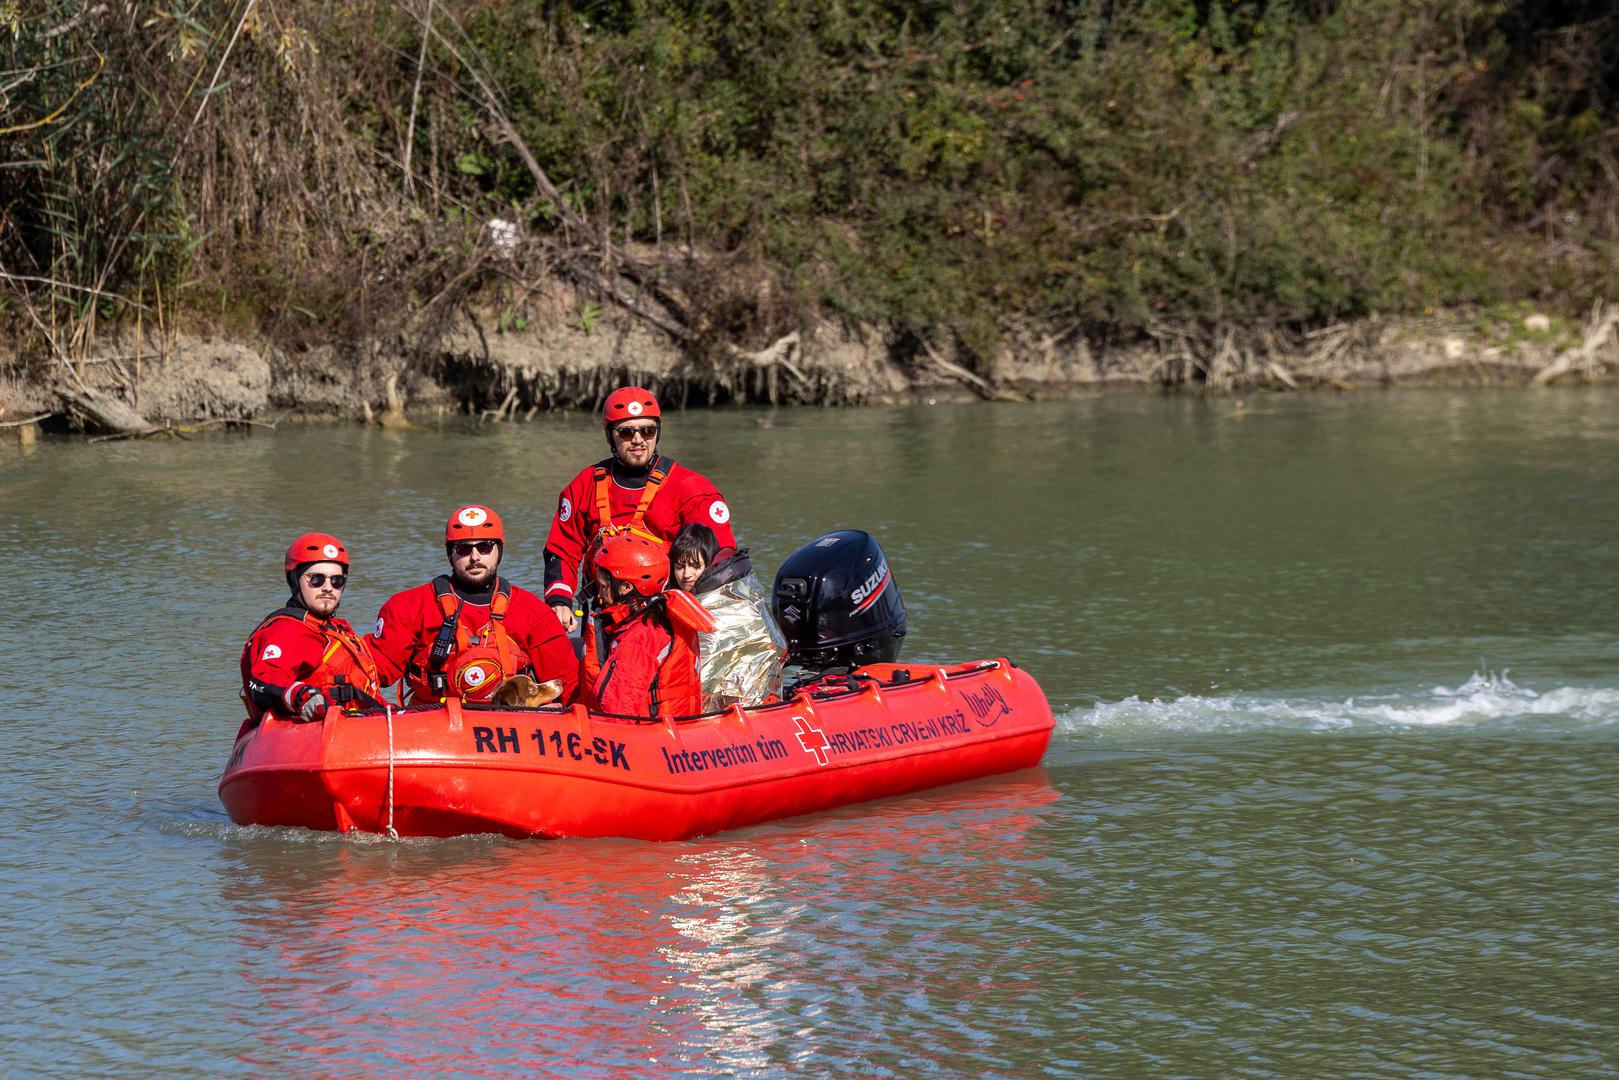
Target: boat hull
point(568, 772)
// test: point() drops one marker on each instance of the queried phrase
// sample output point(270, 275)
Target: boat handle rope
point(393, 834)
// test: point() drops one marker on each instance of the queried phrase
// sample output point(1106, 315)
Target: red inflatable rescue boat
point(457, 768)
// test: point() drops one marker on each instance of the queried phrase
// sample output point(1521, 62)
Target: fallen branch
point(1281, 375)
point(975, 382)
point(106, 412)
point(226, 421)
point(181, 431)
point(25, 423)
point(142, 434)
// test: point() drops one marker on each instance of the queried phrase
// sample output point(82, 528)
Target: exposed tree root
point(1601, 333)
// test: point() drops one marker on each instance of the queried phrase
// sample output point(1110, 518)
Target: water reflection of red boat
point(481, 957)
point(455, 769)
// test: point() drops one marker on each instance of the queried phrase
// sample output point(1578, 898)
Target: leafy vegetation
point(949, 170)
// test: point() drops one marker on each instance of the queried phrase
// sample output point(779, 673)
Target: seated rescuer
point(740, 660)
point(637, 661)
point(302, 657)
point(635, 489)
point(464, 633)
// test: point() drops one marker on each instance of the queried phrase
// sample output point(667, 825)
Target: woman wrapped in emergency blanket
point(740, 661)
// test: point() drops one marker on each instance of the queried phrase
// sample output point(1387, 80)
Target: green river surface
point(1334, 789)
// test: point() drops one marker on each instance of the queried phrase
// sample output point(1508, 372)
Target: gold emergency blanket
point(741, 660)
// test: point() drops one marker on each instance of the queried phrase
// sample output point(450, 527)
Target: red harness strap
point(493, 634)
point(661, 467)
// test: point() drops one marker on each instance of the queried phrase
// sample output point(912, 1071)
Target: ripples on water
point(1280, 832)
point(1486, 701)
point(1424, 890)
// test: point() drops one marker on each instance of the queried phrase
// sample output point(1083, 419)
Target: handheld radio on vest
point(443, 645)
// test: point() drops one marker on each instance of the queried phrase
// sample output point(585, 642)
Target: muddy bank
point(481, 367)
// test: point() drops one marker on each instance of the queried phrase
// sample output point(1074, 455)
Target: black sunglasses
point(626, 433)
point(317, 580)
point(462, 548)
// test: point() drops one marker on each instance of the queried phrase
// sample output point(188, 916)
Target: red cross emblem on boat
point(812, 739)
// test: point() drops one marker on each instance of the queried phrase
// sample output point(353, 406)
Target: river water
point(1334, 788)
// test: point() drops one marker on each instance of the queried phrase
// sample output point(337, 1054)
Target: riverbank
point(156, 384)
point(383, 211)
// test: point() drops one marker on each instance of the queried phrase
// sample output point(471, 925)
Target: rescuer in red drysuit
point(302, 657)
point(637, 661)
point(463, 633)
point(634, 489)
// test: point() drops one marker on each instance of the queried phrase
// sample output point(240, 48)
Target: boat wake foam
point(1486, 700)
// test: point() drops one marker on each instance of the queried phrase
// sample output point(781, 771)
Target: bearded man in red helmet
point(634, 489)
point(638, 661)
point(464, 633)
point(302, 658)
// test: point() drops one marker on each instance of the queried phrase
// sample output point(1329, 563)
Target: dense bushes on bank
point(949, 170)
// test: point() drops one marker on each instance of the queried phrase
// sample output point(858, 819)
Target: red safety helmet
point(474, 522)
point(630, 403)
point(477, 673)
point(316, 547)
point(636, 559)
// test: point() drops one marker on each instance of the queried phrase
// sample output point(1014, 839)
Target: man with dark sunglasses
point(302, 658)
point(634, 489)
point(464, 633)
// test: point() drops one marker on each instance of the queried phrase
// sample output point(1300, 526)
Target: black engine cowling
point(838, 603)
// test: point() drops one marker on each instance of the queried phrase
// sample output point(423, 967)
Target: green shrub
point(948, 170)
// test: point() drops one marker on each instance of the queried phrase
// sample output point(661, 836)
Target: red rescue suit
point(640, 668)
point(657, 504)
point(294, 648)
point(525, 634)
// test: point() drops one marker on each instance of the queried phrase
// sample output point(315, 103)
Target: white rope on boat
point(393, 834)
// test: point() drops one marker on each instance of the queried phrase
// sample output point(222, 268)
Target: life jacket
point(601, 626)
point(675, 690)
point(594, 639)
point(661, 468)
point(345, 662)
point(437, 679)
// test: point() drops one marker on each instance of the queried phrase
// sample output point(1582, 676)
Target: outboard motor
point(838, 604)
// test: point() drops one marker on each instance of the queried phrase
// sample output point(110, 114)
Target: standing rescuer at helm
point(302, 657)
point(634, 489)
point(463, 633)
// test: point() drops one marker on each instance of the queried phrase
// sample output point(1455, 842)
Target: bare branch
point(74, 23)
point(58, 284)
point(415, 99)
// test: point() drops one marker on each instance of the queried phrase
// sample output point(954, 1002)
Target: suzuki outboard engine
point(838, 604)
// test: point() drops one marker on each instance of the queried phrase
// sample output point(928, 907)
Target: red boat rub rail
point(553, 771)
